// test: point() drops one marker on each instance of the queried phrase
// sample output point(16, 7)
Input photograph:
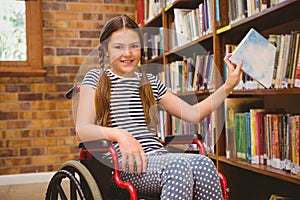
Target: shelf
point(197, 93)
point(156, 21)
point(288, 91)
point(158, 59)
point(200, 46)
point(279, 14)
point(183, 4)
point(263, 169)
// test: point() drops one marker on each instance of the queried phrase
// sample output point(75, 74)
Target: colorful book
point(241, 140)
point(230, 134)
point(255, 137)
point(260, 135)
point(232, 106)
point(258, 56)
point(297, 73)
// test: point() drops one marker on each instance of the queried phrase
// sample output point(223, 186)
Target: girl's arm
point(195, 113)
point(87, 130)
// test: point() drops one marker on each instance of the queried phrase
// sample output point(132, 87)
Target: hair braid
point(148, 100)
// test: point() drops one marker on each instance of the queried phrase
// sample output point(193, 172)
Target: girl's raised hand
point(233, 73)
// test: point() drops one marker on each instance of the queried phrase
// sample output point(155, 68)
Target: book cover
point(257, 55)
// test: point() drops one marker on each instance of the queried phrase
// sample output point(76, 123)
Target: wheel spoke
point(73, 193)
point(71, 182)
point(61, 192)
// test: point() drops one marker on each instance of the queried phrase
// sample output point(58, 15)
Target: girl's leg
point(167, 174)
point(178, 176)
point(206, 179)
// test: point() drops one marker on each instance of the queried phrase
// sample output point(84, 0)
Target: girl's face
point(124, 52)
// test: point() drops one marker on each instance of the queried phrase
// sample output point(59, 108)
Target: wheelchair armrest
point(95, 144)
point(75, 89)
point(186, 139)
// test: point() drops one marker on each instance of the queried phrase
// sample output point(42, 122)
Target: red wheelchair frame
point(90, 154)
point(86, 154)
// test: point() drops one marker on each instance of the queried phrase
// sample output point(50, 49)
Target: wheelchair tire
point(85, 186)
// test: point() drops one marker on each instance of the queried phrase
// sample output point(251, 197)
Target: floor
point(30, 186)
point(32, 191)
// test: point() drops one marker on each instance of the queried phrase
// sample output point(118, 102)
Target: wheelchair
point(90, 177)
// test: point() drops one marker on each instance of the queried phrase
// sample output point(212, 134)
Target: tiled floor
point(29, 186)
point(32, 191)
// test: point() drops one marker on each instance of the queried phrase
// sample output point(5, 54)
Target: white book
point(258, 57)
point(180, 25)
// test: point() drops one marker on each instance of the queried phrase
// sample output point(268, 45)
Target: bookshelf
point(246, 180)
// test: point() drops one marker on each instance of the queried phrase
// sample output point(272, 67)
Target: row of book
point(153, 42)
point(152, 8)
point(286, 72)
point(190, 24)
point(240, 9)
point(259, 136)
point(189, 74)
point(206, 128)
point(287, 60)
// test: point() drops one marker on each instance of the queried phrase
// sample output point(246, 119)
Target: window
point(28, 59)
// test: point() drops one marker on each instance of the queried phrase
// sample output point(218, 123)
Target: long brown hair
point(103, 93)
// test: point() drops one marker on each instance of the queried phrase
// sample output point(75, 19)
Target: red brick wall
point(36, 121)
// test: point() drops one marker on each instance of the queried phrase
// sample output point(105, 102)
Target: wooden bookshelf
point(281, 18)
point(251, 92)
point(262, 169)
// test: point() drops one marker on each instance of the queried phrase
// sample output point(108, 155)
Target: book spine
point(268, 141)
point(275, 40)
point(253, 138)
point(230, 134)
point(298, 145)
point(241, 143)
point(297, 75)
point(275, 143)
point(260, 136)
point(248, 136)
point(140, 12)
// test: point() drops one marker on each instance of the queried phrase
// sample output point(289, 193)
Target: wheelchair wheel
point(73, 181)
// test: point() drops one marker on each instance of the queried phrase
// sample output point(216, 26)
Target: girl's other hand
point(132, 152)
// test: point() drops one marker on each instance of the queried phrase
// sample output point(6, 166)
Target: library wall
point(36, 120)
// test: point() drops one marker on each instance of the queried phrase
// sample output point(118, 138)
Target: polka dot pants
point(178, 176)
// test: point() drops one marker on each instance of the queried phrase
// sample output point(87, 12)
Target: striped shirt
point(126, 107)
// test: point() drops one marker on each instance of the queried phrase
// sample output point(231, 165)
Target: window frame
point(34, 63)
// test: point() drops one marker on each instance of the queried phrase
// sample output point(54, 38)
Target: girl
point(122, 102)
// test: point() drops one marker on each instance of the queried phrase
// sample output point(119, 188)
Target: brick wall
point(36, 121)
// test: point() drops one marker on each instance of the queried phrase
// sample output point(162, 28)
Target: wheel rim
point(82, 185)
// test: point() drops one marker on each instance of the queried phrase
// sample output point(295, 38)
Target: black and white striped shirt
point(126, 106)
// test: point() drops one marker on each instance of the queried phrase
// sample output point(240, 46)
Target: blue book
point(248, 137)
point(258, 56)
